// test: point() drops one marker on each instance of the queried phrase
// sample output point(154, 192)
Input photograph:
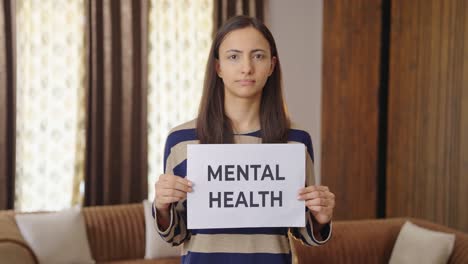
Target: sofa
point(116, 234)
point(372, 241)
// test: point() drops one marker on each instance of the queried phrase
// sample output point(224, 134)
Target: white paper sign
point(245, 185)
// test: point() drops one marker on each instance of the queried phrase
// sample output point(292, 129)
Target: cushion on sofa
point(156, 247)
point(58, 237)
point(415, 244)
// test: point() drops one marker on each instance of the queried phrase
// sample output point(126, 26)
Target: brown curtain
point(116, 144)
point(7, 104)
point(225, 9)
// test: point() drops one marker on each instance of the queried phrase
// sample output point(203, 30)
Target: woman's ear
point(218, 68)
point(273, 64)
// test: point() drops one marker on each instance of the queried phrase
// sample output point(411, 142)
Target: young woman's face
point(245, 63)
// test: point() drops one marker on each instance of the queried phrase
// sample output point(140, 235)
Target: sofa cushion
point(58, 237)
point(156, 247)
point(116, 232)
point(415, 244)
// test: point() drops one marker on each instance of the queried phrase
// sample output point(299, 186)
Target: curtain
point(7, 104)
point(116, 160)
point(179, 40)
point(50, 98)
point(224, 9)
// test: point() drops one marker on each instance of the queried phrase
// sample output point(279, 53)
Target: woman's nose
point(247, 67)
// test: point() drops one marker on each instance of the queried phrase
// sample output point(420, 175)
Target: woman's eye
point(259, 56)
point(233, 57)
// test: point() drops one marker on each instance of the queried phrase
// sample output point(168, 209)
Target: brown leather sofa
point(116, 234)
point(372, 241)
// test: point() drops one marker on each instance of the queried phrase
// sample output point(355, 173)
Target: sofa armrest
point(14, 253)
point(13, 247)
point(460, 251)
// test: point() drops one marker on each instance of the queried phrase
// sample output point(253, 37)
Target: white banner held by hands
point(245, 185)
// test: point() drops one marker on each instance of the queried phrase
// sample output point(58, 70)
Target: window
point(51, 99)
point(50, 103)
point(180, 39)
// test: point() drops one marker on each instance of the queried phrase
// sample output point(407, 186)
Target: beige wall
point(297, 28)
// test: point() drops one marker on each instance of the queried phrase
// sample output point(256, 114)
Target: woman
point(242, 102)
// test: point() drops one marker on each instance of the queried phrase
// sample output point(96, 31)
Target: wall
point(427, 164)
point(390, 124)
point(350, 126)
point(297, 28)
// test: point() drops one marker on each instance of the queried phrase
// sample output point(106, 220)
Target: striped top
point(234, 245)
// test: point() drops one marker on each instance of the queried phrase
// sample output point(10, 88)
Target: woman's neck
point(244, 114)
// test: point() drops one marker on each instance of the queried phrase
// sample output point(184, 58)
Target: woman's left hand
point(320, 202)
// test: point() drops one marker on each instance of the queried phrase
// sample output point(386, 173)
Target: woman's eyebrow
point(256, 50)
point(239, 51)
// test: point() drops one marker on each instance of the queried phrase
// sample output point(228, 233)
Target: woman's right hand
point(169, 189)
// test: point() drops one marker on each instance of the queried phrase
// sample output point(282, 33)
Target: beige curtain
point(179, 40)
point(7, 104)
point(50, 114)
point(116, 160)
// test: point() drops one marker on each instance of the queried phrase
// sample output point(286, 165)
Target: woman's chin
point(245, 93)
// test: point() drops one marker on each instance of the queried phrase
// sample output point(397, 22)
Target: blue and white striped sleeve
point(177, 231)
point(306, 234)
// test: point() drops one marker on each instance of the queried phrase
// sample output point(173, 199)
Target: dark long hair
point(213, 126)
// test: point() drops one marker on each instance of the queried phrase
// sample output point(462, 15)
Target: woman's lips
point(246, 82)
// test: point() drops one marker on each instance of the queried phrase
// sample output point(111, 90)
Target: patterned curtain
point(51, 129)
point(180, 39)
point(50, 102)
point(7, 103)
point(116, 148)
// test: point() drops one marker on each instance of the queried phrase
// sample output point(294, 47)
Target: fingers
point(166, 200)
point(173, 193)
point(321, 214)
point(320, 209)
point(312, 188)
point(168, 178)
point(167, 181)
point(176, 185)
point(169, 189)
point(320, 202)
point(313, 192)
